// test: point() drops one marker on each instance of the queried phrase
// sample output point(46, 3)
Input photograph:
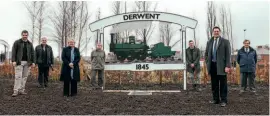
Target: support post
point(101, 37)
point(184, 56)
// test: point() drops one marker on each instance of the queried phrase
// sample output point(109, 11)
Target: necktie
point(215, 51)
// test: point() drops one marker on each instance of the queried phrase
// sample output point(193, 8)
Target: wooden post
point(160, 77)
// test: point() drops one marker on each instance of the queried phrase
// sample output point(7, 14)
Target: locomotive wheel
point(121, 59)
point(142, 57)
point(133, 55)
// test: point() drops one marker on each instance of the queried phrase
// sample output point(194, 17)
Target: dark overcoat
point(66, 70)
point(223, 54)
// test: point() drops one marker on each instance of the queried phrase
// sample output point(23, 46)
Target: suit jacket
point(66, 70)
point(223, 55)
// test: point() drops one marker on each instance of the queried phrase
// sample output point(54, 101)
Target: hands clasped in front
point(71, 65)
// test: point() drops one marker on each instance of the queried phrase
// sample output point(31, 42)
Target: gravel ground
point(51, 102)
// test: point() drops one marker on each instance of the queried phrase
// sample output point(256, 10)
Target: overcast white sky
point(250, 15)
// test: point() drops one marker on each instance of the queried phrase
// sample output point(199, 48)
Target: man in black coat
point(44, 59)
point(247, 60)
point(217, 56)
point(70, 72)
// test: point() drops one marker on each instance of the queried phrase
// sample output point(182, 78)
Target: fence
point(159, 77)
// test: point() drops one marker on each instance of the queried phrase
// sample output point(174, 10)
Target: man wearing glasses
point(44, 59)
point(247, 60)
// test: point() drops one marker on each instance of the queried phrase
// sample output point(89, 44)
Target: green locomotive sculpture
point(133, 50)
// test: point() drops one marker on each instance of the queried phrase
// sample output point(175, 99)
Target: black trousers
point(219, 84)
point(43, 73)
point(70, 87)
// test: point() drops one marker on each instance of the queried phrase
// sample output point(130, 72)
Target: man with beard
point(23, 56)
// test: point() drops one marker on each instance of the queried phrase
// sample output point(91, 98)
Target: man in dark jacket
point(247, 60)
point(44, 59)
point(97, 65)
point(23, 55)
point(217, 57)
point(193, 65)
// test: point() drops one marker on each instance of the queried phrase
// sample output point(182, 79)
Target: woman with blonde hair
point(70, 73)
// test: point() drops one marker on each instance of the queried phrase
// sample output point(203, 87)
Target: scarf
point(71, 60)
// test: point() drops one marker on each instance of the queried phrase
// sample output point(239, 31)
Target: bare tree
point(116, 9)
point(231, 29)
point(40, 19)
point(196, 41)
point(32, 8)
point(211, 18)
point(223, 20)
point(59, 20)
point(83, 21)
point(70, 21)
point(226, 23)
point(167, 32)
point(143, 6)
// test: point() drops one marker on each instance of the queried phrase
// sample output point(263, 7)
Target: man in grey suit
point(217, 56)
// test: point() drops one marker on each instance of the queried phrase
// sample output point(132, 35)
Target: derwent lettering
point(140, 16)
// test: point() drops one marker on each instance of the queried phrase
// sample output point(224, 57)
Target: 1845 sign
point(141, 16)
point(142, 66)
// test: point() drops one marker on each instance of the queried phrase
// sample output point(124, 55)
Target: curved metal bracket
point(3, 42)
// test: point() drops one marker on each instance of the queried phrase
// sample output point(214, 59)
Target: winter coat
point(17, 52)
point(66, 69)
point(98, 59)
point(247, 60)
point(196, 59)
point(49, 55)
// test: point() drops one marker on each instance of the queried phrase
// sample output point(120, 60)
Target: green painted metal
point(139, 51)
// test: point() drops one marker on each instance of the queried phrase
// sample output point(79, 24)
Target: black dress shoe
point(72, 95)
point(213, 102)
point(223, 104)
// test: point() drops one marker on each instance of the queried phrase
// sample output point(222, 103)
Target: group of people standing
point(218, 61)
point(25, 57)
point(217, 58)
